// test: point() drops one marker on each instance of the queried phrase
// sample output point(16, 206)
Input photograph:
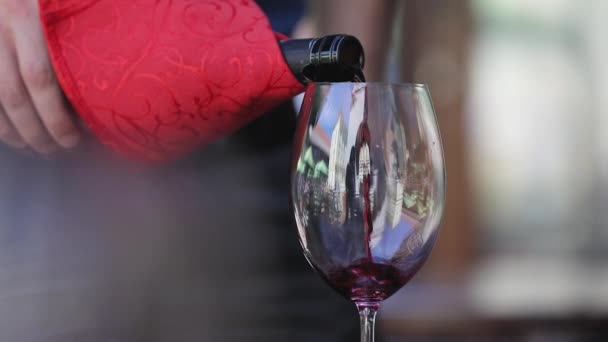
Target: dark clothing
point(283, 14)
point(96, 249)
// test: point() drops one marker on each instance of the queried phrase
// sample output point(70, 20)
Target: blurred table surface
point(508, 296)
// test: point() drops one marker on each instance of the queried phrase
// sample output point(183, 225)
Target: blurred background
point(92, 249)
point(520, 92)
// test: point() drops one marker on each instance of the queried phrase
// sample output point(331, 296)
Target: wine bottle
point(199, 81)
point(334, 58)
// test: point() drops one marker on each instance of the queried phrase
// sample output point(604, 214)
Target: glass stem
point(367, 315)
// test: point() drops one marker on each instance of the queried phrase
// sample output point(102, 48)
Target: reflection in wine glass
point(368, 187)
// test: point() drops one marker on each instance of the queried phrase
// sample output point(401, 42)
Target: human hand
point(33, 110)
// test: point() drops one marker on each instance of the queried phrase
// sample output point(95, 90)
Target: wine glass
point(367, 187)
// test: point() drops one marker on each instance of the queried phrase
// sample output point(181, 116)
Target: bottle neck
point(335, 58)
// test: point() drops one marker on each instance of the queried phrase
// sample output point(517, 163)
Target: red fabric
point(155, 79)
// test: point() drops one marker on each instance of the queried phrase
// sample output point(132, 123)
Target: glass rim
point(377, 84)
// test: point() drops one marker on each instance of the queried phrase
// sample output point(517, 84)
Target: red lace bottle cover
point(156, 79)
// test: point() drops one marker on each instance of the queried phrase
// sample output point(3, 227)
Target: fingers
point(33, 110)
point(41, 83)
point(18, 106)
point(8, 134)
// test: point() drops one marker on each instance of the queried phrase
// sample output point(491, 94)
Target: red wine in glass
point(367, 187)
point(368, 282)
